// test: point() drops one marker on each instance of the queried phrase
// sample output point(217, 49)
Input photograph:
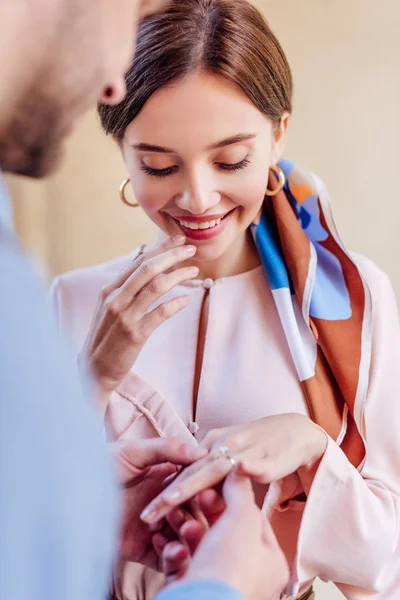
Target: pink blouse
point(348, 529)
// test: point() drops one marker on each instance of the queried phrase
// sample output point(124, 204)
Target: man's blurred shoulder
point(59, 508)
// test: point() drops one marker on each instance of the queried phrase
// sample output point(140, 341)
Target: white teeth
point(202, 225)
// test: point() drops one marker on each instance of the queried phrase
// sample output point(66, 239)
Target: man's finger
point(237, 491)
point(147, 453)
point(268, 534)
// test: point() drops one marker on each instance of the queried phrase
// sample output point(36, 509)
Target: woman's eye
point(159, 172)
point(233, 167)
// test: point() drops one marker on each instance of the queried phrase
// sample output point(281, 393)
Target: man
point(58, 508)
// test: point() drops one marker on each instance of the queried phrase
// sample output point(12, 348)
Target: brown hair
point(229, 38)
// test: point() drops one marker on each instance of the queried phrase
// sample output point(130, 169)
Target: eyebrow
point(152, 148)
point(235, 139)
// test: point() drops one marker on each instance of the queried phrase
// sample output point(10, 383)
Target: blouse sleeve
point(349, 532)
point(136, 409)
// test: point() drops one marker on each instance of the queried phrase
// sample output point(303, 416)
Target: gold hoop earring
point(281, 183)
point(122, 189)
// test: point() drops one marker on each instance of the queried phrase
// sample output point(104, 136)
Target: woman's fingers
point(145, 273)
point(159, 542)
point(111, 304)
point(158, 287)
point(175, 560)
point(167, 244)
point(177, 518)
point(207, 473)
point(212, 505)
point(192, 532)
point(186, 486)
point(265, 470)
point(124, 340)
point(122, 325)
point(157, 316)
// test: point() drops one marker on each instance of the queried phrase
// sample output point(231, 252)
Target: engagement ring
point(225, 453)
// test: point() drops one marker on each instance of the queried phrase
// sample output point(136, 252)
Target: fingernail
point(179, 516)
point(193, 271)
point(197, 452)
point(149, 514)
point(156, 526)
point(179, 239)
point(172, 496)
point(190, 250)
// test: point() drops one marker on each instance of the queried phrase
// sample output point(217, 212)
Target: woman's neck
point(241, 257)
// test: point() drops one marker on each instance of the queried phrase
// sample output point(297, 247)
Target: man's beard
point(66, 81)
point(32, 143)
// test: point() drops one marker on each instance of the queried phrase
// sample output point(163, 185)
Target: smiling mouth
point(201, 223)
point(203, 228)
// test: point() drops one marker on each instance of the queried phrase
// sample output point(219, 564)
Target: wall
point(345, 126)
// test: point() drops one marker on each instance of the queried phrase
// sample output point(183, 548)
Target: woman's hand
point(122, 323)
point(267, 450)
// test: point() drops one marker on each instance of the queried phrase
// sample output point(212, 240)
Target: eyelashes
point(235, 167)
point(174, 169)
point(159, 172)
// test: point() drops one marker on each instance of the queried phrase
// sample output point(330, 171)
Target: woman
point(248, 328)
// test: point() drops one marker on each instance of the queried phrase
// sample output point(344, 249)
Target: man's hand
point(143, 467)
point(239, 549)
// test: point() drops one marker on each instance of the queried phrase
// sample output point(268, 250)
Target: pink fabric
point(348, 530)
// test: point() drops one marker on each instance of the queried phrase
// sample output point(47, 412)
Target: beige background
point(346, 127)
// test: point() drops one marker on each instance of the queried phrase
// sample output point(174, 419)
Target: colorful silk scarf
point(323, 303)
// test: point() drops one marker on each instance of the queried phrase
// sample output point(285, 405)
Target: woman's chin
point(208, 253)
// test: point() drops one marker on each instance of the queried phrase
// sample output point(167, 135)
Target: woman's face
point(198, 156)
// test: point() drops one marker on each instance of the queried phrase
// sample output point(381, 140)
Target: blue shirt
point(202, 590)
point(5, 206)
point(57, 494)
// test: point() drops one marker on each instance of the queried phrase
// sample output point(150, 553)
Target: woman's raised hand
point(123, 323)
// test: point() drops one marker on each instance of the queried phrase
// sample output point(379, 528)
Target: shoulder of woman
point(91, 279)
point(384, 303)
point(373, 275)
point(74, 296)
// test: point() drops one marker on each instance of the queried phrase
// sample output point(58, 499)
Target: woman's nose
point(198, 200)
